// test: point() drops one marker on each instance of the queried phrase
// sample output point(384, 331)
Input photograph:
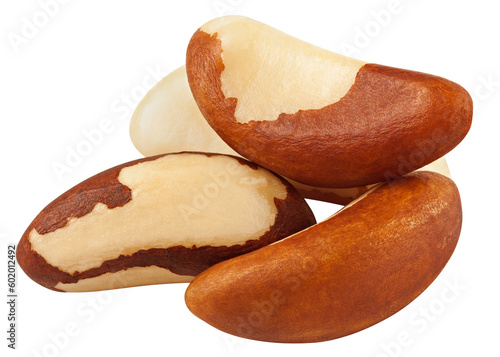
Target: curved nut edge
point(339, 276)
point(293, 215)
point(378, 107)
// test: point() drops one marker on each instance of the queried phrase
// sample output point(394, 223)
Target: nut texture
point(157, 220)
point(380, 118)
point(342, 275)
point(168, 120)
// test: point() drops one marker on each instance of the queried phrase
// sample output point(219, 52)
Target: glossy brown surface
point(339, 276)
point(293, 215)
point(392, 121)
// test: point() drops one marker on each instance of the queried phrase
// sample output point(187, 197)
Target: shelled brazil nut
point(314, 116)
point(168, 119)
point(160, 219)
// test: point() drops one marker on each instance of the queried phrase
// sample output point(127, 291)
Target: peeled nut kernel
point(160, 219)
point(317, 117)
point(168, 120)
point(342, 275)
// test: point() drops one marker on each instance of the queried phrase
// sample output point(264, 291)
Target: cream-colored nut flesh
point(246, 78)
point(159, 219)
point(314, 116)
point(198, 216)
point(440, 166)
point(168, 120)
point(137, 276)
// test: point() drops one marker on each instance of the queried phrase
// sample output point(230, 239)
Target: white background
point(86, 63)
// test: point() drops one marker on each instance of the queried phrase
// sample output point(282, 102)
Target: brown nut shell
point(168, 120)
point(339, 276)
point(314, 116)
point(157, 220)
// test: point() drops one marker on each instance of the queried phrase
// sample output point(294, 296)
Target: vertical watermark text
point(12, 303)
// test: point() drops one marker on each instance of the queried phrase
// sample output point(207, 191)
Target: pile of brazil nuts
point(234, 141)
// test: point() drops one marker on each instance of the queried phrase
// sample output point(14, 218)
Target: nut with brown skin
point(342, 275)
point(168, 120)
point(160, 219)
point(317, 117)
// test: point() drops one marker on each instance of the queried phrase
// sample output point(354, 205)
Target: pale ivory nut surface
point(168, 120)
point(248, 80)
point(137, 276)
point(316, 117)
point(342, 275)
point(170, 207)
